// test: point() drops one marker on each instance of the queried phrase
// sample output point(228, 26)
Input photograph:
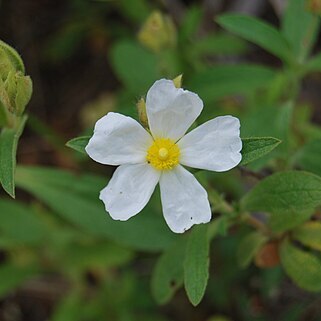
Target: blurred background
point(88, 57)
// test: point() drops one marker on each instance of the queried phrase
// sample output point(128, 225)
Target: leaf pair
point(253, 148)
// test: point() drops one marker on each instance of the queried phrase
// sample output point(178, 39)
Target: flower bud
point(10, 90)
point(19, 89)
point(3, 114)
point(158, 32)
point(178, 81)
point(9, 61)
point(141, 105)
point(15, 87)
point(23, 93)
point(4, 103)
point(5, 65)
point(142, 115)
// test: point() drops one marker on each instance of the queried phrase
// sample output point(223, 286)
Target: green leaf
point(76, 199)
point(269, 121)
point(69, 308)
point(218, 226)
point(281, 221)
point(314, 64)
point(190, 24)
point(9, 138)
point(303, 268)
point(224, 80)
point(65, 41)
point(168, 273)
point(256, 147)
point(136, 10)
point(248, 247)
point(80, 257)
point(300, 28)
point(285, 191)
point(87, 186)
point(79, 143)
point(196, 264)
point(137, 76)
point(309, 157)
point(217, 44)
point(309, 234)
point(258, 32)
point(11, 276)
point(20, 224)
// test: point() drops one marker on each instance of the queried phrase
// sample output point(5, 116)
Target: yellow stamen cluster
point(163, 154)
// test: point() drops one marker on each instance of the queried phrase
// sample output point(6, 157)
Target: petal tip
point(108, 209)
point(186, 228)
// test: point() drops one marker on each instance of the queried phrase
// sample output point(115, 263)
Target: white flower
point(146, 159)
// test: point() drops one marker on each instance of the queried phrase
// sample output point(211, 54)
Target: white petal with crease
point(170, 110)
point(129, 190)
point(184, 200)
point(214, 146)
point(117, 140)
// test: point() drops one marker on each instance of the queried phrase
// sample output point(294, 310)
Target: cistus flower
point(148, 158)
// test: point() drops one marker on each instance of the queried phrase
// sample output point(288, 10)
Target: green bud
point(9, 60)
point(5, 65)
point(18, 89)
point(15, 87)
point(10, 88)
point(178, 81)
point(141, 104)
point(23, 93)
point(142, 115)
point(4, 97)
point(4, 103)
point(158, 32)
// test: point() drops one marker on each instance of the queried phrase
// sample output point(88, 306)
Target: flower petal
point(170, 110)
point(214, 146)
point(117, 140)
point(129, 190)
point(184, 200)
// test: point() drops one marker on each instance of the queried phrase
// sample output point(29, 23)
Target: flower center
point(163, 154)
